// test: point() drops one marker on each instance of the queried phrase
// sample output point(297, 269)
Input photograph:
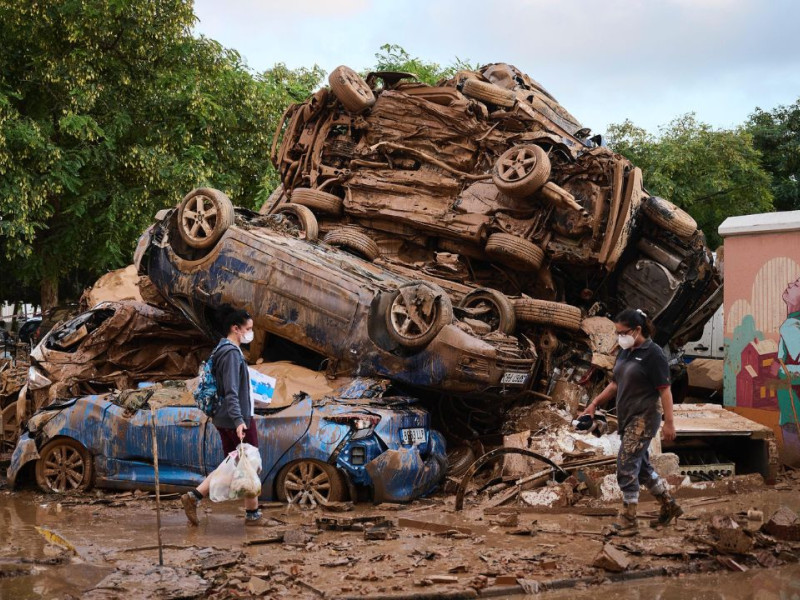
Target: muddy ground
point(472, 554)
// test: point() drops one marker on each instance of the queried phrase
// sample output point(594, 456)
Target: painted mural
point(762, 341)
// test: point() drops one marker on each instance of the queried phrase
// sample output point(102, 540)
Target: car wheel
point(351, 89)
point(417, 312)
point(324, 202)
point(489, 93)
point(352, 239)
point(669, 217)
point(491, 307)
point(514, 252)
point(557, 314)
point(521, 170)
point(275, 198)
point(302, 218)
point(309, 482)
point(459, 459)
point(64, 466)
point(204, 215)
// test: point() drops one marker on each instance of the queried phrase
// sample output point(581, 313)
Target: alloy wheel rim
point(64, 469)
point(199, 222)
point(307, 484)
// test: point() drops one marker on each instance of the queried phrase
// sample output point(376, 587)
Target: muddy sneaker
point(252, 517)
point(626, 525)
point(190, 508)
point(669, 510)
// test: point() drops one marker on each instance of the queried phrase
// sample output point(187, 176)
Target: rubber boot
point(669, 510)
point(627, 525)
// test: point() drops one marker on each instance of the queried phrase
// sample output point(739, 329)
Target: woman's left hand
point(668, 431)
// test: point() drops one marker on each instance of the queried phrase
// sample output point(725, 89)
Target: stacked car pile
point(486, 187)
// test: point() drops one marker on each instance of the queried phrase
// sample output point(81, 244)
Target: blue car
point(313, 451)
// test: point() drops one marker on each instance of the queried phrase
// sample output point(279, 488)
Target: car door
point(180, 432)
point(278, 431)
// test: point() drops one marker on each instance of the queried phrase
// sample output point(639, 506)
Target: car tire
point(522, 170)
point(489, 93)
point(299, 473)
point(351, 89)
point(275, 198)
point(64, 462)
point(500, 317)
point(669, 217)
point(302, 218)
point(355, 241)
point(514, 252)
point(459, 459)
point(204, 215)
point(544, 312)
point(408, 332)
point(328, 204)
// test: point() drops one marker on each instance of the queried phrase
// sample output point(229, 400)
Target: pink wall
point(758, 269)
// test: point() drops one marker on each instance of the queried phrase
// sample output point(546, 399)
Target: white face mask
point(626, 341)
point(248, 337)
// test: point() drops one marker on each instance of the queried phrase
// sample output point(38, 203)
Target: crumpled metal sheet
point(135, 342)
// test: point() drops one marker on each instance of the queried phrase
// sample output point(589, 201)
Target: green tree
point(395, 58)
point(711, 173)
point(776, 134)
point(110, 110)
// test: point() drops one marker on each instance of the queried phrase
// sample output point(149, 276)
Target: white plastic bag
point(246, 482)
point(220, 479)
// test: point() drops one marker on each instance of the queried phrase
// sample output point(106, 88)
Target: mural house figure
point(756, 386)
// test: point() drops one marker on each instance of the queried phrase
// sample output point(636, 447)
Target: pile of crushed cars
point(468, 241)
point(488, 190)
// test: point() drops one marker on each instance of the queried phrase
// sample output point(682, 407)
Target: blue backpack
point(206, 396)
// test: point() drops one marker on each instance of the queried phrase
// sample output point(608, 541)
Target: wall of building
point(762, 325)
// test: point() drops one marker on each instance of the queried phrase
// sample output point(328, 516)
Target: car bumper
point(24, 453)
point(403, 475)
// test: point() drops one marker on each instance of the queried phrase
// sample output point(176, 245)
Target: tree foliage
point(393, 57)
point(711, 173)
point(776, 134)
point(112, 109)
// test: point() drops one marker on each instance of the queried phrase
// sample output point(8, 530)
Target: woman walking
point(233, 418)
point(641, 379)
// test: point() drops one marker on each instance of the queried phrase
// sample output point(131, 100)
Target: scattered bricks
point(442, 579)
point(506, 520)
point(731, 538)
point(337, 507)
point(258, 586)
point(380, 531)
point(611, 559)
point(296, 537)
point(784, 525)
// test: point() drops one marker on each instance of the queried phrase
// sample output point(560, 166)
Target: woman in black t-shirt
point(641, 387)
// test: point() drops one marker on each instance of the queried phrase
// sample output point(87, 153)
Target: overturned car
point(360, 443)
point(321, 305)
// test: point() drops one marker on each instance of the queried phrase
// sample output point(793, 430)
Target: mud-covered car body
point(115, 345)
point(365, 439)
point(327, 301)
point(416, 170)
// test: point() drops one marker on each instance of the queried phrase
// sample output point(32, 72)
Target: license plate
point(512, 378)
point(413, 436)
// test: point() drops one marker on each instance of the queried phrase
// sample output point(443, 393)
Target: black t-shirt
point(640, 373)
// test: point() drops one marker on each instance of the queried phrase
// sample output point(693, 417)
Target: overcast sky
point(604, 60)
